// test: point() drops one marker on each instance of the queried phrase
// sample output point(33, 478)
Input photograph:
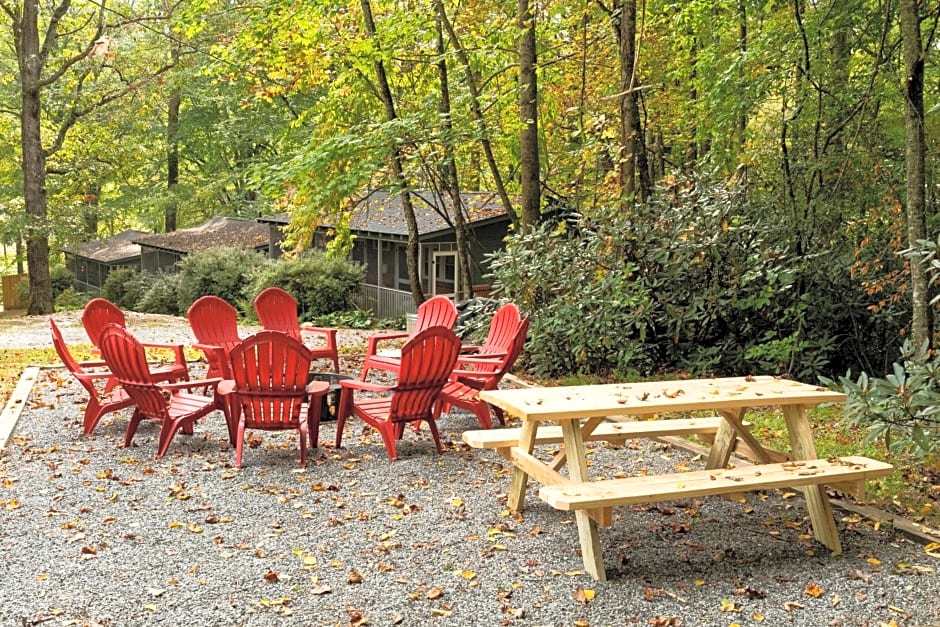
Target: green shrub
point(697, 280)
point(222, 271)
point(321, 285)
point(125, 287)
point(903, 408)
point(162, 297)
point(70, 300)
point(62, 279)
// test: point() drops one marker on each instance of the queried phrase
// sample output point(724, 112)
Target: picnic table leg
point(817, 501)
point(721, 448)
point(519, 477)
point(587, 527)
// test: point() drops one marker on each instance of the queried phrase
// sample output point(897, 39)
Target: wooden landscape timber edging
point(14, 407)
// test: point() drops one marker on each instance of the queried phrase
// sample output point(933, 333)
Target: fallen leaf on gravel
point(583, 596)
point(354, 577)
point(271, 577)
point(792, 605)
point(727, 605)
point(321, 588)
point(435, 593)
point(814, 590)
point(859, 575)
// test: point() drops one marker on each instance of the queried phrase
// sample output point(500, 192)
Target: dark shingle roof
point(111, 250)
point(380, 212)
point(218, 231)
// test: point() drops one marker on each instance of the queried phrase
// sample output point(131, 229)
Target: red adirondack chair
point(427, 360)
point(475, 373)
point(99, 402)
point(100, 312)
point(173, 404)
point(503, 328)
point(214, 323)
point(267, 390)
point(277, 311)
point(436, 311)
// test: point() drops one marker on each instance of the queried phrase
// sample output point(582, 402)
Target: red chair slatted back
point(214, 321)
point(277, 311)
point(427, 360)
point(58, 342)
point(98, 313)
point(438, 311)
point(503, 328)
point(126, 357)
point(270, 370)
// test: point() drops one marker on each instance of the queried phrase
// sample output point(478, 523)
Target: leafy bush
point(70, 299)
point(352, 319)
point(62, 279)
point(125, 287)
point(222, 271)
point(902, 408)
point(321, 285)
point(162, 297)
point(697, 280)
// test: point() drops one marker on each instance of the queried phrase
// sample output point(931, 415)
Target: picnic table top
point(653, 397)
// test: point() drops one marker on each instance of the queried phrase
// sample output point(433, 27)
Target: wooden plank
point(657, 488)
point(11, 413)
point(817, 501)
point(656, 397)
point(608, 431)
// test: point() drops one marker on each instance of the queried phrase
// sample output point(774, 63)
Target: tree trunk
point(476, 111)
point(528, 114)
point(921, 333)
point(34, 164)
point(172, 160)
point(398, 172)
point(634, 173)
point(449, 168)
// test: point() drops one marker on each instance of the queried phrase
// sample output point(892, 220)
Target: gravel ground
point(93, 534)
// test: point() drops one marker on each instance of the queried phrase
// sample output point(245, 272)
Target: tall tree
point(914, 61)
point(396, 159)
point(530, 200)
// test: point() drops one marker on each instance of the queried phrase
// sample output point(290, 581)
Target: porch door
point(444, 273)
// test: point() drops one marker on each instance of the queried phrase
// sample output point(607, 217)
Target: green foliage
point(322, 285)
point(698, 280)
point(162, 297)
point(70, 299)
point(62, 279)
point(352, 319)
point(902, 408)
point(221, 271)
point(125, 287)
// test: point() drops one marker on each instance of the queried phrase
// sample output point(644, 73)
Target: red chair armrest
point(188, 385)
point(375, 339)
point(366, 386)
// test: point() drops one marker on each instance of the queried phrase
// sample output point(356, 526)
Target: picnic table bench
point(609, 412)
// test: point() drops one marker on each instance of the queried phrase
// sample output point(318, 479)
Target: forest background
point(710, 187)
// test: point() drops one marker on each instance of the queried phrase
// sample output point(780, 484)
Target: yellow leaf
point(581, 623)
point(759, 618)
point(435, 593)
point(874, 561)
point(151, 607)
point(814, 590)
point(174, 524)
point(727, 605)
point(457, 502)
point(194, 528)
point(933, 549)
point(468, 574)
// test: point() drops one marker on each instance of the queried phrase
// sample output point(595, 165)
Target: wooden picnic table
point(589, 412)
